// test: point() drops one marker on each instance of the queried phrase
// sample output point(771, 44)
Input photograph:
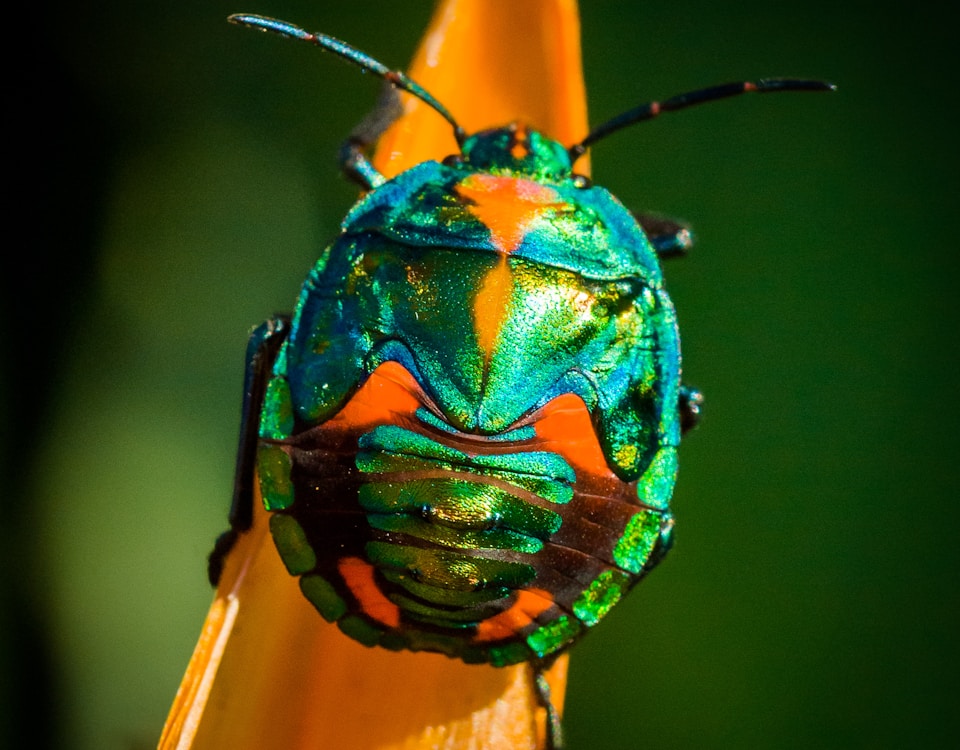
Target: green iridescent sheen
point(455, 538)
point(297, 554)
point(548, 489)
point(273, 467)
point(394, 439)
point(389, 448)
point(491, 151)
point(656, 485)
point(521, 433)
point(634, 548)
point(460, 504)
point(553, 636)
point(446, 597)
point(276, 421)
point(321, 593)
point(450, 570)
point(600, 596)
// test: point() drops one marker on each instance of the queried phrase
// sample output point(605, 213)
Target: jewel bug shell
point(468, 438)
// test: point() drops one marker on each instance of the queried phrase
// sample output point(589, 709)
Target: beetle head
point(515, 149)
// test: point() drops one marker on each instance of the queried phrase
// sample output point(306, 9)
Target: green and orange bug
point(466, 434)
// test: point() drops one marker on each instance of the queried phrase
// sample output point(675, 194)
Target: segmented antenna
point(652, 109)
point(350, 54)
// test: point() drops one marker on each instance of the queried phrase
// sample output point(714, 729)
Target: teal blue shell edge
point(405, 209)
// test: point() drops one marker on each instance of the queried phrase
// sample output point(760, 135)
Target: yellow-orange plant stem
point(492, 62)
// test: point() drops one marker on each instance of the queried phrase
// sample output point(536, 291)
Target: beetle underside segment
point(411, 535)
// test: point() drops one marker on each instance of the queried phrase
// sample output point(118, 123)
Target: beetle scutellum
point(466, 435)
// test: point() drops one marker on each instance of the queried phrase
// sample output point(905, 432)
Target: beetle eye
point(453, 160)
point(581, 182)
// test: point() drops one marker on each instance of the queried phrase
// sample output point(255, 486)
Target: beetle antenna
point(651, 109)
point(350, 54)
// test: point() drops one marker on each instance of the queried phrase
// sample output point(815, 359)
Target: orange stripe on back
point(390, 395)
point(565, 426)
point(508, 207)
point(491, 306)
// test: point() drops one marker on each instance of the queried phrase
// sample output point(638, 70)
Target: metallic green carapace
point(466, 435)
point(494, 328)
point(499, 289)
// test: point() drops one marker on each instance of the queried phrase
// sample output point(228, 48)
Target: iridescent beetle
point(466, 435)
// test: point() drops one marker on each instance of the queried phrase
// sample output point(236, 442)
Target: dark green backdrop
point(183, 181)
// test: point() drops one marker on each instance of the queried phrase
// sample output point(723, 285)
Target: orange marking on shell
point(529, 604)
point(358, 576)
point(565, 424)
point(520, 147)
point(491, 305)
point(390, 395)
point(508, 207)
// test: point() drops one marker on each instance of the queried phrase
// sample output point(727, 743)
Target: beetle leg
point(690, 404)
point(353, 153)
point(541, 690)
point(669, 238)
point(262, 348)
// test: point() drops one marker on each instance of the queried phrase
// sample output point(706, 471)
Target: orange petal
point(492, 62)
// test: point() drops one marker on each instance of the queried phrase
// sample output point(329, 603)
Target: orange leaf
point(492, 62)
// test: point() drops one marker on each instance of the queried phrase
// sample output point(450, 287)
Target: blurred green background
point(174, 180)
